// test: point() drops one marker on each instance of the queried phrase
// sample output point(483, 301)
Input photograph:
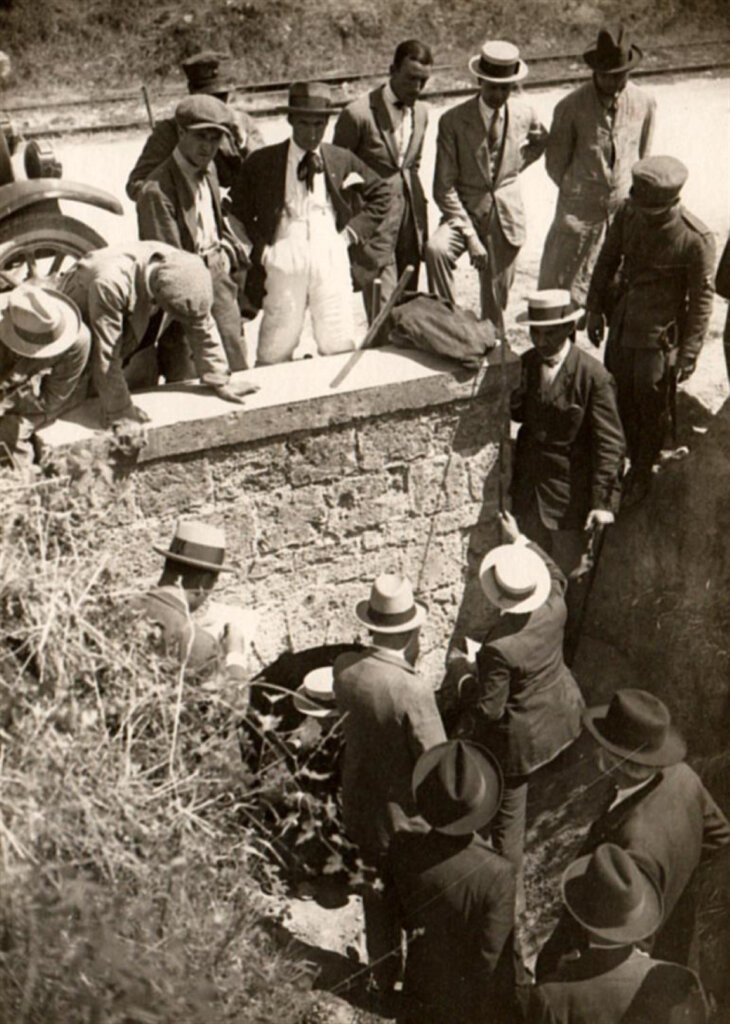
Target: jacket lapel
point(563, 379)
point(498, 163)
point(382, 120)
point(419, 127)
point(185, 202)
point(478, 136)
point(333, 179)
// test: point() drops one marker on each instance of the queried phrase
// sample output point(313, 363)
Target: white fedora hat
point(38, 322)
point(316, 696)
point(391, 607)
point(514, 578)
point(550, 307)
point(499, 62)
point(197, 544)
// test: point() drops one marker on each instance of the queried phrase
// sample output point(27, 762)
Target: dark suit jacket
point(671, 826)
point(570, 447)
point(525, 704)
point(390, 719)
point(457, 898)
point(364, 127)
point(166, 206)
point(257, 198)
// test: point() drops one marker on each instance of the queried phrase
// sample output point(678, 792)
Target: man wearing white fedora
point(483, 145)
point(390, 718)
point(44, 348)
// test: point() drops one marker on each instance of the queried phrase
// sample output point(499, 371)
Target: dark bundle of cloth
point(431, 324)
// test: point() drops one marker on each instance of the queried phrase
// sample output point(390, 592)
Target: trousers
point(307, 266)
point(407, 252)
point(642, 389)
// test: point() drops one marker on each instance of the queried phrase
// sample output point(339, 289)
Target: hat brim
point(513, 605)
point(488, 765)
point(419, 617)
point(314, 111)
point(522, 72)
point(672, 751)
point(325, 694)
point(72, 326)
point(640, 924)
point(635, 56)
point(197, 563)
point(306, 705)
point(204, 125)
point(524, 318)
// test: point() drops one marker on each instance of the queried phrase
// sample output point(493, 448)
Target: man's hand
point(595, 327)
point(477, 253)
point(510, 529)
point(685, 369)
point(237, 392)
point(598, 517)
point(130, 422)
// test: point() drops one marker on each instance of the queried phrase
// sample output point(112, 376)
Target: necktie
point(493, 134)
point(309, 165)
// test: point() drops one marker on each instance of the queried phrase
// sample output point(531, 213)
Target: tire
point(43, 243)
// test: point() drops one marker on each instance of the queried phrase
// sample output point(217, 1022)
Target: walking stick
point(584, 577)
point(148, 107)
point(504, 439)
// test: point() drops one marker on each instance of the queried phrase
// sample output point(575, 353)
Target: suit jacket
point(183, 638)
point(666, 277)
point(59, 377)
point(525, 704)
point(364, 127)
point(457, 899)
point(166, 206)
point(390, 719)
point(608, 986)
point(163, 139)
point(463, 185)
point(570, 446)
point(670, 826)
point(257, 198)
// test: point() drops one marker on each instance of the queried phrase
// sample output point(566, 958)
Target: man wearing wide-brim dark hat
point(617, 905)
point(658, 810)
point(457, 895)
point(598, 131)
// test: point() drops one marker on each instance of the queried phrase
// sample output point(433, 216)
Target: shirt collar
point(624, 794)
point(392, 99)
point(297, 154)
point(487, 111)
point(562, 355)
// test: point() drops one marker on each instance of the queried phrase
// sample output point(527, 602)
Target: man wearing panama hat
point(658, 810)
point(457, 895)
point(598, 132)
point(44, 348)
point(616, 905)
point(390, 718)
point(483, 145)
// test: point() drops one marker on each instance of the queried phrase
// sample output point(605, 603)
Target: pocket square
point(353, 178)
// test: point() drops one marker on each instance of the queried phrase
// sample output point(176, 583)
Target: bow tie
point(399, 105)
point(551, 361)
point(308, 166)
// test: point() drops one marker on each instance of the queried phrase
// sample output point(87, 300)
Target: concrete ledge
point(294, 396)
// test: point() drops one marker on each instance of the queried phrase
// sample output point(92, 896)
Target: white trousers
point(308, 265)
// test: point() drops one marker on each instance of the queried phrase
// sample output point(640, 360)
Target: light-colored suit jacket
point(463, 185)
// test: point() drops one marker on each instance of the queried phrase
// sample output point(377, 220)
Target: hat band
point(485, 67)
point(623, 734)
point(40, 337)
point(199, 552)
point(310, 102)
point(549, 312)
point(391, 618)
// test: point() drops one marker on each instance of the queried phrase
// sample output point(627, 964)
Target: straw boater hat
point(391, 607)
point(316, 696)
point(637, 726)
point(498, 62)
point(548, 308)
point(514, 578)
point(197, 544)
point(614, 51)
point(457, 787)
point(38, 322)
point(611, 897)
point(310, 98)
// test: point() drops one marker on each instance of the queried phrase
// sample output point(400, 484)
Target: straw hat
point(514, 578)
point(636, 725)
point(548, 308)
point(38, 322)
point(457, 787)
point(498, 62)
point(196, 544)
point(391, 607)
point(316, 697)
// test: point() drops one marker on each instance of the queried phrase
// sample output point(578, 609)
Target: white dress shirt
point(401, 117)
point(206, 236)
point(301, 204)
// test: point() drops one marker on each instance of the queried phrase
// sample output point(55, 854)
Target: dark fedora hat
point(637, 726)
point(310, 98)
point(197, 544)
point(614, 52)
point(457, 786)
point(611, 897)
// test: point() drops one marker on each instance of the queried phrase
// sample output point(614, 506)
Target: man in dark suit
point(483, 145)
point(659, 812)
point(297, 202)
point(457, 895)
point(615, 905)
point(386, 129)
point(180, 204)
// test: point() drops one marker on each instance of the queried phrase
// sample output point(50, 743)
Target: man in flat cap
point(386, 129)
point(658, 322)
point(125, 295)
point(309, 208)
point(44, 349)
point(599, 131)
point(204, 76)
point(483, 145)
point(180, 204)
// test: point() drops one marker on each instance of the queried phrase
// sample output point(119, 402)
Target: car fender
point(20, 194)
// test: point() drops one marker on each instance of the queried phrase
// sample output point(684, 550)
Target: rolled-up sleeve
point(207, 351)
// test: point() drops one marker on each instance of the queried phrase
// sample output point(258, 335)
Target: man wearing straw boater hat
point(309, 208)
point(390, 718)
point(457, 895)
point(44, 348)
point(658, 810)
point(615, 905)
point(483, 145)
point(598, 132)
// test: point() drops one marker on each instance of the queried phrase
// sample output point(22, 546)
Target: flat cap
point(657, 180)
point(181, 286)
point(202, 111)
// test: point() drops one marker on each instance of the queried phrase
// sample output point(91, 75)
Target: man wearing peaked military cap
point(659, 321)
